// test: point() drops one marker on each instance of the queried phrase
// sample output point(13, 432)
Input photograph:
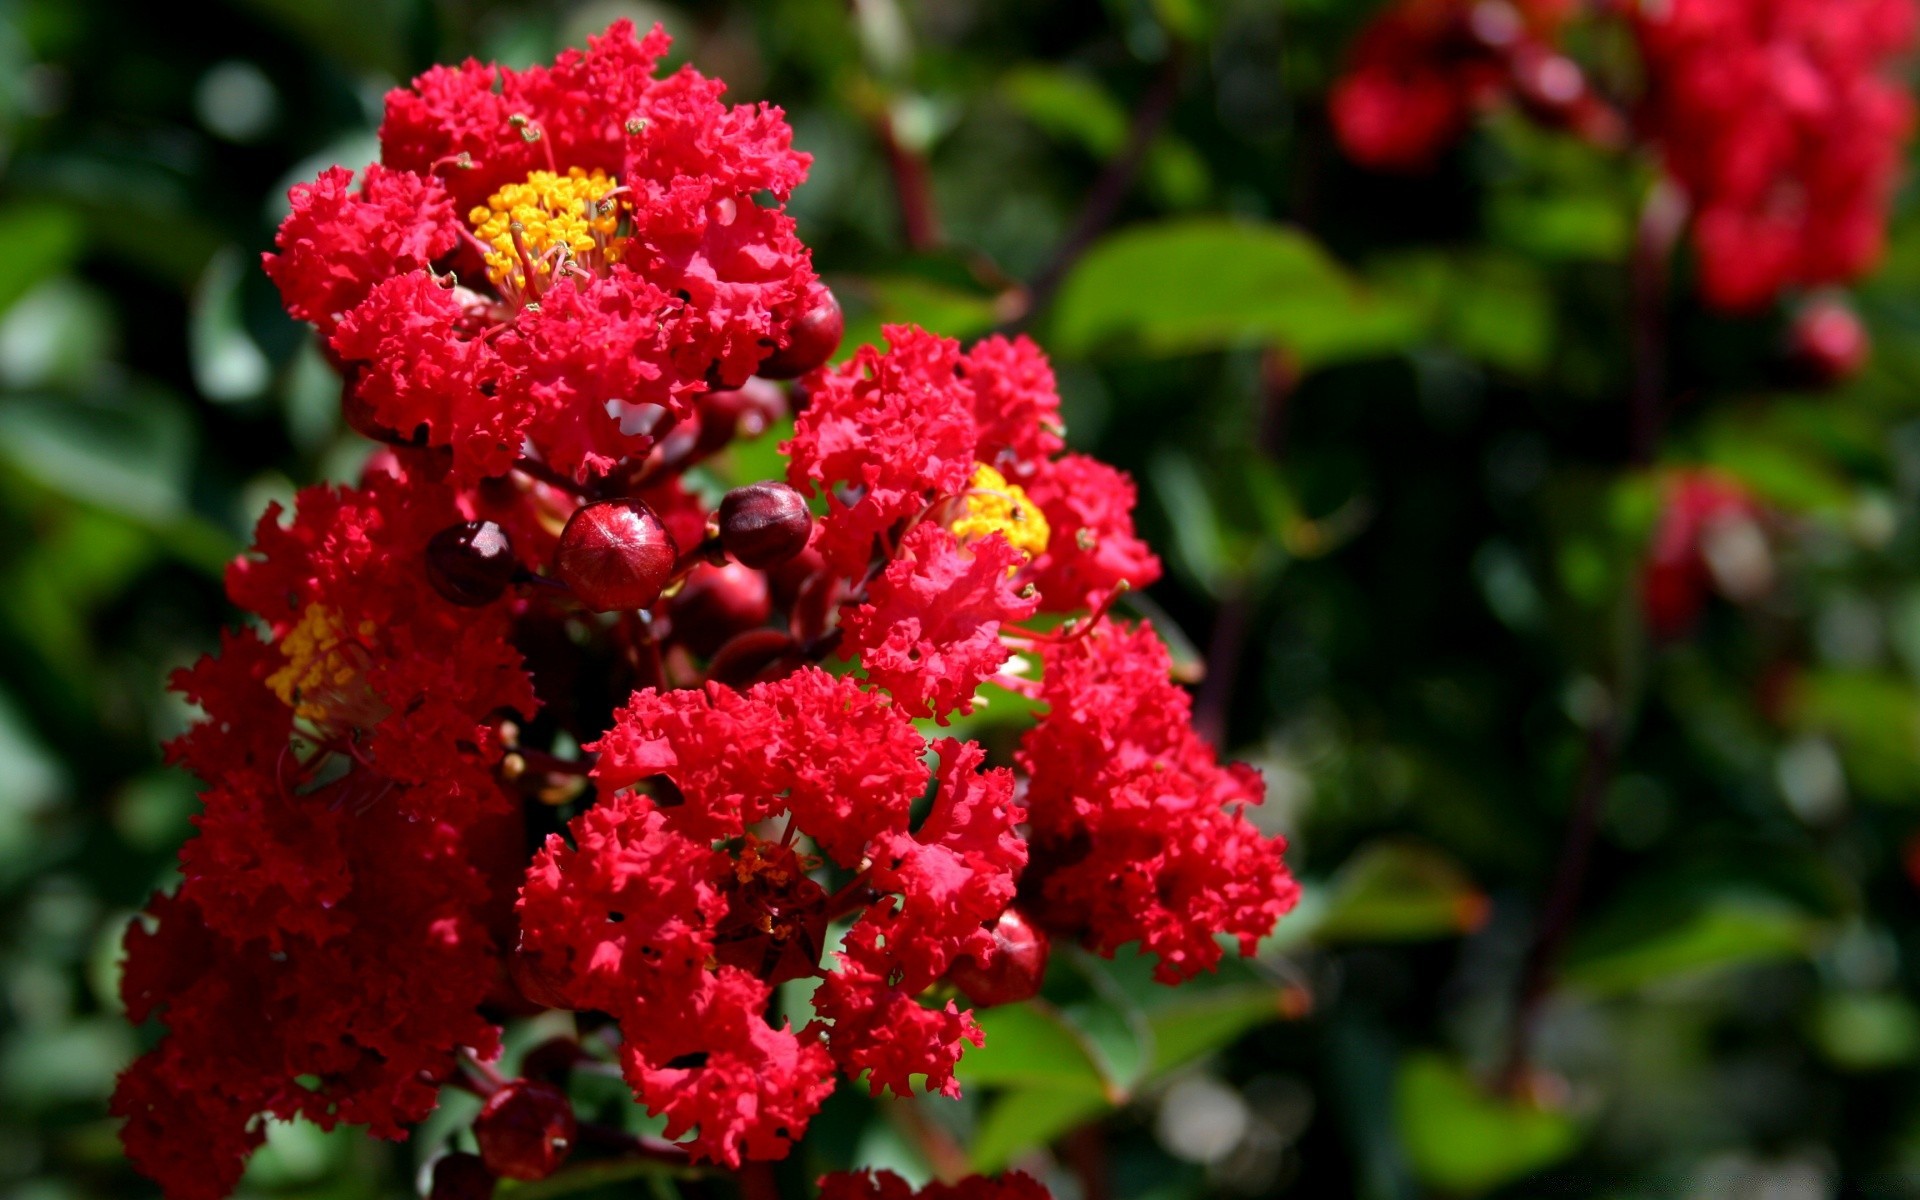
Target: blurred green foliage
point(1381, 431)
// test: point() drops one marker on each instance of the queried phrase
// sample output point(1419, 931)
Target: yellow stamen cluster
point(570, 211)
point(322, 666)
point(995, 506)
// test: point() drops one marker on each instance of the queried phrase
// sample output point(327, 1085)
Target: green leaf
point(1491, 308)
point(1204, 284)
point(1462, 1140)
point(1875, 718)
point(1033, 1045)
point(1067, 105)
point(1629, 952)
point(40, 240)
point(1021, 1120)
point(1867, 1031)
point(1196, 1025)
point(1400, 891)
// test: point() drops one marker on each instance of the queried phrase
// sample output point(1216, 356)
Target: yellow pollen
point(570, 211)
point(319, 665)
point(995, 506)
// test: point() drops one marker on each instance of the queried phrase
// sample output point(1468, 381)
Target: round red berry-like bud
point(1011, 971)
point(718, 602)
point(746, 656)
point(535, 982)
point(811, 339)
point(1828, 343)
point(551, 1061)
point(764, 524)
point(460, 1176)
point(471, 564)
point(525, 1130)
point(614, 555)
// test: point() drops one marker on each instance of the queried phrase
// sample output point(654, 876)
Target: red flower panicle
point(1710, 538)
point(548, 300)
point(561, 257)
point(1784, 123)
point(885, 1185)
point(1138, 833)
point(1424, 69)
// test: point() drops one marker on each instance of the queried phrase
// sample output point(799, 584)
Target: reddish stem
point(912, 187)
point(1115, 182)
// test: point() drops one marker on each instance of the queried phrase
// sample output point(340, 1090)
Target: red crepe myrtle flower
point(922, 433)
point(1424, 69)
point(1785, 124)
point(1138, 833)
point(1710, 537)
point(647, 915)
point(541, 301)
point(556, 256)
point(885, 1185)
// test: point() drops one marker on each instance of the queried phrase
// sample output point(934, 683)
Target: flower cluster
point(534, 717)
point(1422, 71)
point(1710, 538)
point(1780, 120)
point(1783, 123)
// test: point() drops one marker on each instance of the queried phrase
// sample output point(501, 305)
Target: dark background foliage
point(1382, 433)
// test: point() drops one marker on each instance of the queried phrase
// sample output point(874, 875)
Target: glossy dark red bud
point(525, 1130)
point(615, 555)
point(1012, 971)
point(471, 564)
point(1828, 344)
point(811, 340)
point(551, 1061)
point(717, 603)
point(535, 983)
point(460, 1176)
point(748, 656)
point(764, 524)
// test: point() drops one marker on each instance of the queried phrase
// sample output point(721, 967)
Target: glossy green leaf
point(1023, 1120)
point(1466, 1141)
point(1734, 930)
point(1183, 287)
point(1199, 1022)
point(40, 240)
point(1400, 891)
point(1032, 1045)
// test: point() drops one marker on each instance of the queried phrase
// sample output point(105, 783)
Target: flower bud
point(1011, 971)
point(525, 1130)
point(717, 603)
point(746, 656)
point(1828, 344)
point(615, 555)
point(471, 564)
point(764, 524)
point(460, 1176)
point(551, 1061)
point(811, 339)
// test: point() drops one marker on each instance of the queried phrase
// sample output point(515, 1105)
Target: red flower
point(337, 243)
point(885, 1185)
point(618, 256)
point(1709, 538)
point(1785, 124)
point(931, 633)
point(1138, 834)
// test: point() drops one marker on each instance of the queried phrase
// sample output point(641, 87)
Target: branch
point(912, 186)
point(1569, 879)
point(1116, 181)
point(1662, 219)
